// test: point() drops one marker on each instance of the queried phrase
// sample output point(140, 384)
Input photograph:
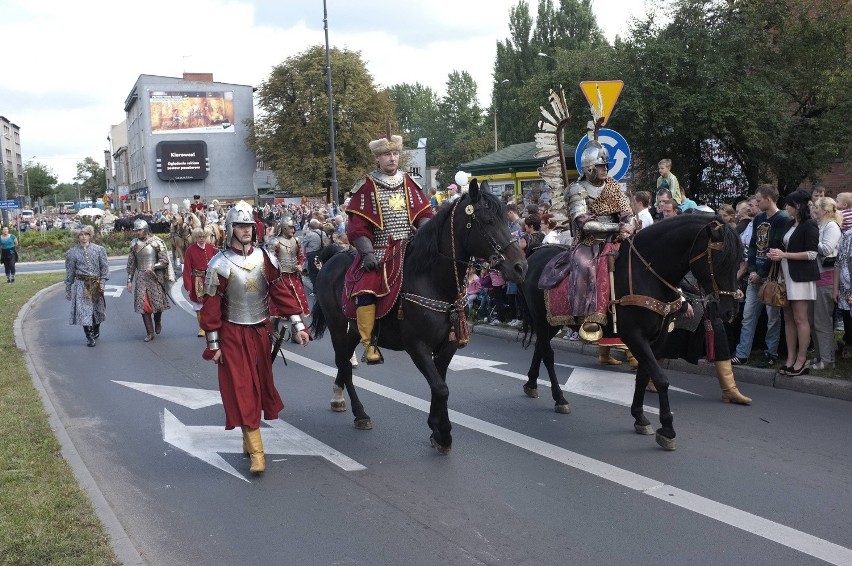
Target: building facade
point(187, 136)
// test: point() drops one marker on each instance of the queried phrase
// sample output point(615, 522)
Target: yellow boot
point(201, 332)
point(366, 318)
point(730, 393)
point(605, 358)
point(253, 444)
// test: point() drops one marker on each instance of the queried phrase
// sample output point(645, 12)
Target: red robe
point(365, 217)
point(196, 259)
point(245, 375)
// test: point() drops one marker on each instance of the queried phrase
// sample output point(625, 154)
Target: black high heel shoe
point(784, 370)
point(804, 370)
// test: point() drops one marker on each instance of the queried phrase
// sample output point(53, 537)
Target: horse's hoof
point(531, 392)
point(646, 430)
point(563, 409)
point(667, 443)
point(338, 406)
point(364, 424)
point(441, 449)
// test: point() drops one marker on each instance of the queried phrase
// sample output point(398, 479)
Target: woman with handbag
point(799, 266)
point(829, 219)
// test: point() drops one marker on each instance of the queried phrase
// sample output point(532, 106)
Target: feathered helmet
point(241, 213)
point(386, 144)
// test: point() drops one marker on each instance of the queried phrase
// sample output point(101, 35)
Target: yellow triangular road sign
point(602, 96)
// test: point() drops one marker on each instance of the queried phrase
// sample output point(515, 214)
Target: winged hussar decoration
point(551, 146)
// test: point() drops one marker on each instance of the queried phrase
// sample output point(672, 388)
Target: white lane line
point(748, 522)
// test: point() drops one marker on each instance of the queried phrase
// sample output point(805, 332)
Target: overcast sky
point(67, 66)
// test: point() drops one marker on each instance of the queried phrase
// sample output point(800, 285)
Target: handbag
point(772, 292)
point(828, 261)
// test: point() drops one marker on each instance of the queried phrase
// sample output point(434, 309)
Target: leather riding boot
point(90, 340)
point(730, 393)
point(605, 358)
point(157, 325)
point(149, 327)
point(366, 318)
point(96, 331)
point(201, 332)
point(254, 443)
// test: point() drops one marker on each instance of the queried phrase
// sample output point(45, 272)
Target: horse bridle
point(660, 307)
point(711, 247)
point(497, 248)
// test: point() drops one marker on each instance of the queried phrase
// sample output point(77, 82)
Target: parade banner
point(192, 112)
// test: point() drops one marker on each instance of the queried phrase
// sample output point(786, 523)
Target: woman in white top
point(829, 219)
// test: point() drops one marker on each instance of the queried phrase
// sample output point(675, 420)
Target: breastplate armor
point(145, 253)
point(394, 214)
point(286, 250)
point(246, 298)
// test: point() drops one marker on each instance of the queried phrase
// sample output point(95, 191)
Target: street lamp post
point(330, 112)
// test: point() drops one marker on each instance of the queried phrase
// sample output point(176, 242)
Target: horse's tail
point(526, 319)
point(318, 322)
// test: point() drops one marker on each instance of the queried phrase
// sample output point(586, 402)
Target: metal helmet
point(241, 213)
point(283, 223)
point(593, 154)
point(140, 224)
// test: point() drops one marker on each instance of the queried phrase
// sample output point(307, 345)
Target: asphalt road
point(766, 484)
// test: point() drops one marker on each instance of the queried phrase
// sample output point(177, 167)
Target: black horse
point(648, 270)
point(431, 295)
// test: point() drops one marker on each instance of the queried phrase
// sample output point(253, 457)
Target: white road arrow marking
point(609, 386)
point(113, 290)
point(185, 396)
point(176, 293)
point(582, 375)
point(207, 442)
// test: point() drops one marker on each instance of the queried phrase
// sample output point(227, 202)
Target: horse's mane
point(683, 228)
point(423, 248)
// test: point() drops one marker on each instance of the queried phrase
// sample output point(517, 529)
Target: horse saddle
point(556, 270)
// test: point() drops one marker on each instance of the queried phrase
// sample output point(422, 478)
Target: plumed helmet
point(241, 213)
point(284, 223)
point(593, 154)
point(140, 224)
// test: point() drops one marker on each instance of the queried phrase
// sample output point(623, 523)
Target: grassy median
point(45, 517)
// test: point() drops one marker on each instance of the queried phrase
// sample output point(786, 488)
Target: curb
point(121, 543)
point(811, 384)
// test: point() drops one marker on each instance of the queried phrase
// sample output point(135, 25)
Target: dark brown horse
point(648, 270)
point(431, 297)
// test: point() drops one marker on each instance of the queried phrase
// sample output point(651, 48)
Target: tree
point(39, 180)
point(462, 133)
point(92, 178)
point(766, 85)
point(292, 134)
point(416, 109)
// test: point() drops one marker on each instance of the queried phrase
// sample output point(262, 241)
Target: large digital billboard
point(192, 112)
point(182, 161)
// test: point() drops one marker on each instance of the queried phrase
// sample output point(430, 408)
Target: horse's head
point(486, 232)
point(716, 254)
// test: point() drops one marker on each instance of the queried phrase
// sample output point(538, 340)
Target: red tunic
point(195, 262)
point(365, 217)
point(197, 207)
point(245, 375)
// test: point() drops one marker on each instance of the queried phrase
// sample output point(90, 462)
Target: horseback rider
point(240, 295)
point(148, 263)
point(601, 215)
point(386, 207)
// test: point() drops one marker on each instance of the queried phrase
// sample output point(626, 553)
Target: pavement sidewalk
point(812, 384)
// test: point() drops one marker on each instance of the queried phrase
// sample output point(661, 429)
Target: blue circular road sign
point(616, 145)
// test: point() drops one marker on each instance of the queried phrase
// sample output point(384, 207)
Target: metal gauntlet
point(297, 323)
point(213, 340)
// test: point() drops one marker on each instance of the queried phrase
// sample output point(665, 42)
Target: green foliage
point(292, 134)
point(40, 180)
point(417, 111)
point(52, 244)
point(92, 178)
point(45, 516)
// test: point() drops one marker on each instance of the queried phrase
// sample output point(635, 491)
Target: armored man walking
point(240, 295)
